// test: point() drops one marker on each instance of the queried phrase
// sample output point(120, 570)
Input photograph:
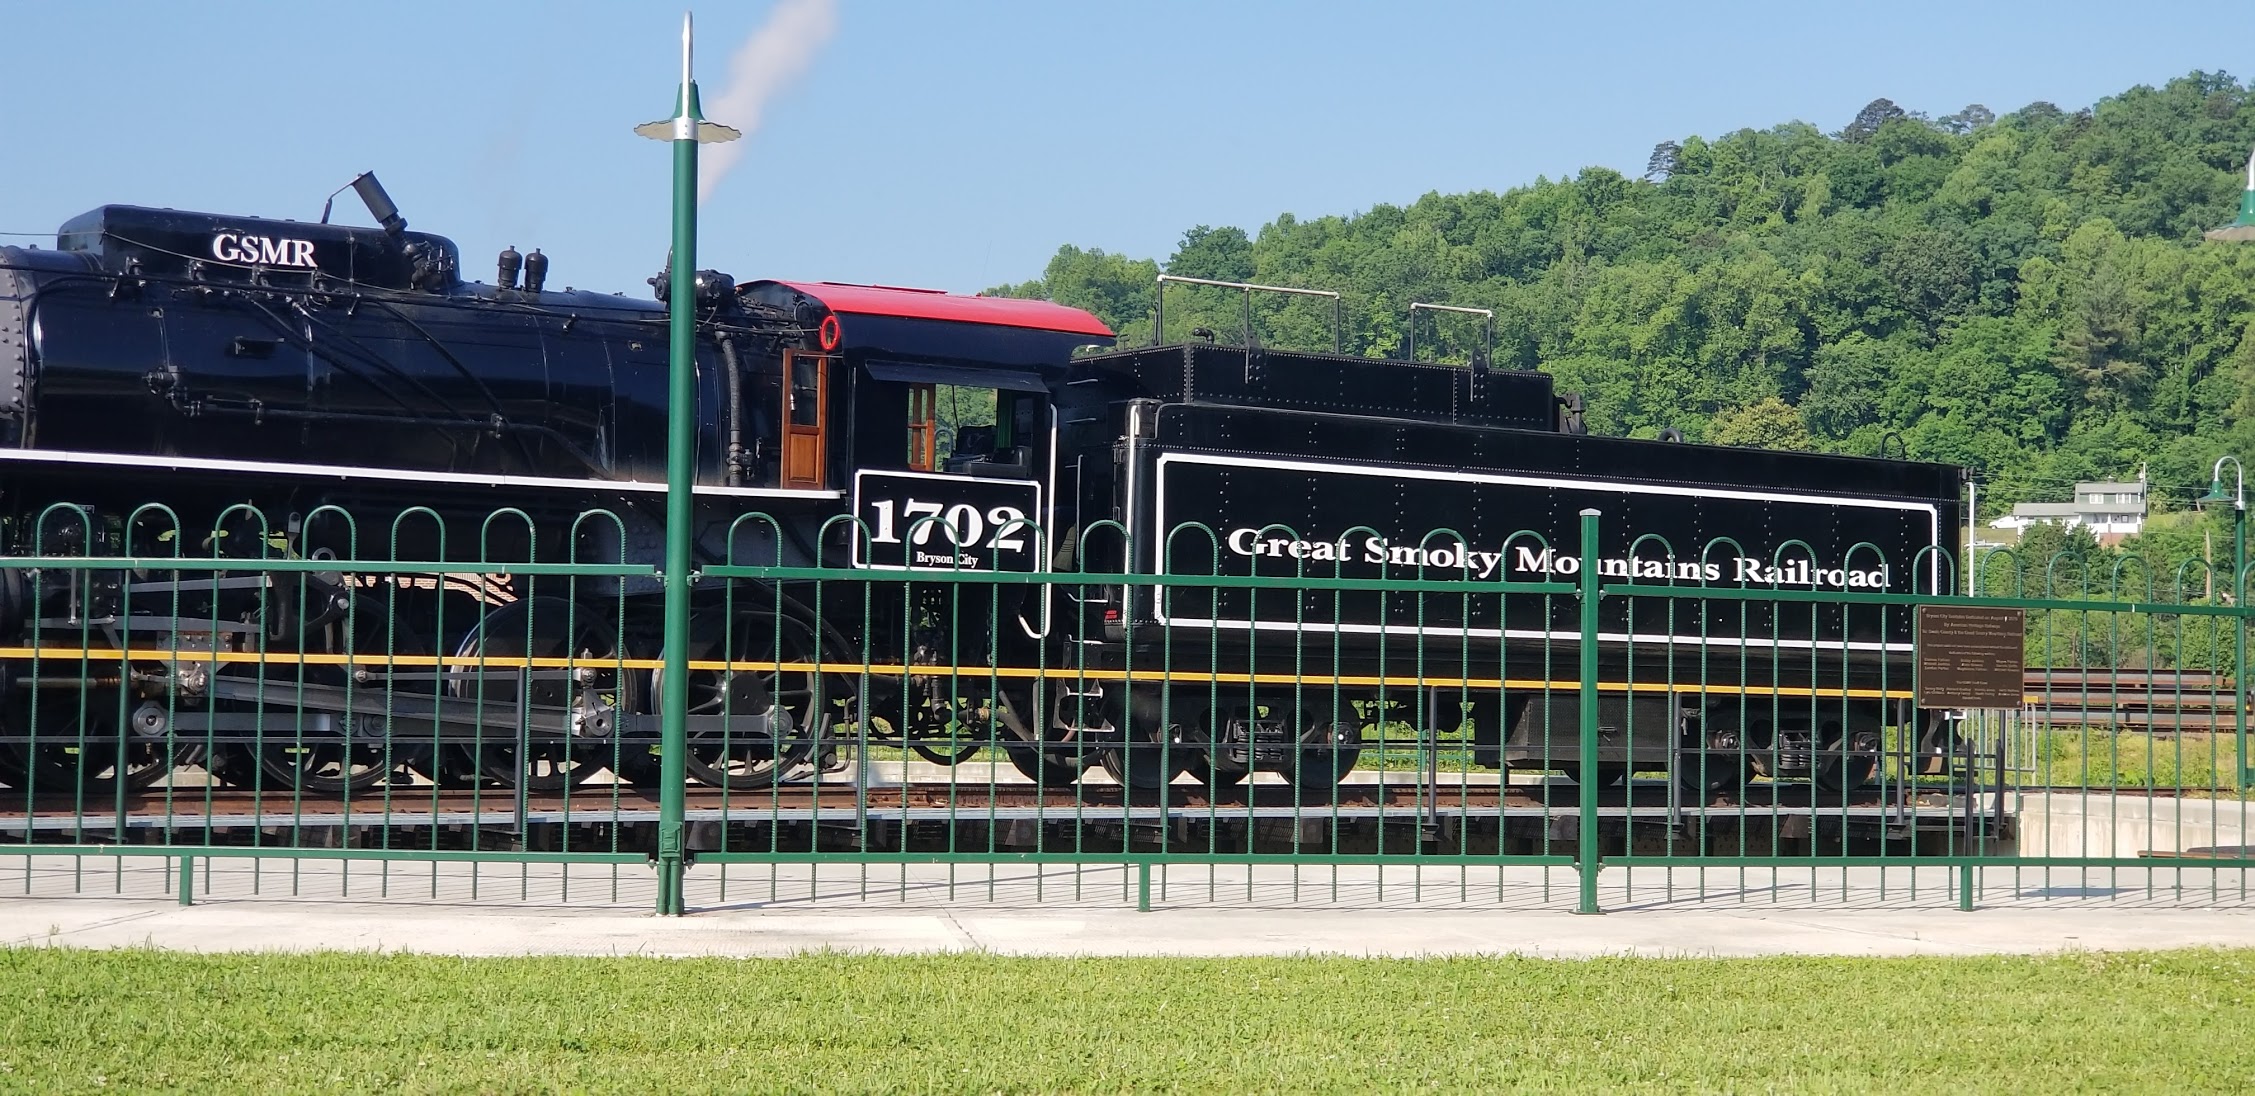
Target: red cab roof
point(933, 304)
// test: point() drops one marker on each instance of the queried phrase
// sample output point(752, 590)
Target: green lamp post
point(686, 129)
point(2237, 496)
point(2243, 227)
point(2241, 230)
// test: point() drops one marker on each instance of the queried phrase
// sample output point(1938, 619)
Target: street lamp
point(2241, 230)
point(2243, 227)
point(686, 129)
point(2216, 495)
point(2237, 496)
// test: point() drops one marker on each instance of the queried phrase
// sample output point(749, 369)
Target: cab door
point(806, 415)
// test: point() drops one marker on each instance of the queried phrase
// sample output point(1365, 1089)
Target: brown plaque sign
point(1970, 657)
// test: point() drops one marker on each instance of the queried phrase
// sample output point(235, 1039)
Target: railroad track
point(2155, 702)
point(201, 808)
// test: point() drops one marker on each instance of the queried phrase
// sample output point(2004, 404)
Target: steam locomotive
point(426, 510)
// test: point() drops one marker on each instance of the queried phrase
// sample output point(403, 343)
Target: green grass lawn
point(137, 1020)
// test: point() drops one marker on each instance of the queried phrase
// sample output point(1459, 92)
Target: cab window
point(986, 425)
point(923, 428)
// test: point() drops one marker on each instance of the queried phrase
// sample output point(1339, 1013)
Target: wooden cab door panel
point(806, 414)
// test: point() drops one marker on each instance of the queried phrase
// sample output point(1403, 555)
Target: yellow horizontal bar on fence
point(1179, 677)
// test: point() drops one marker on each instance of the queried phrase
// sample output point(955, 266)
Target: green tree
point(1868, 121)
point(2028, 295)
point(1769, 423)
point(1847, 385)
point(1663, 161)
point(1221, 254)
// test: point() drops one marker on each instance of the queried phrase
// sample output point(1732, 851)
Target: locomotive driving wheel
point(1050, 761)
point(946, 732)
point(539, 628)
point(330, 760)
point(753, 716)
point(59, 758)
point(347, 753)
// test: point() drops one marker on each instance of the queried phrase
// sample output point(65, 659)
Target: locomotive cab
point(941, 434)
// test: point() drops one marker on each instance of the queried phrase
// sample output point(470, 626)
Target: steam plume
point(766, 63)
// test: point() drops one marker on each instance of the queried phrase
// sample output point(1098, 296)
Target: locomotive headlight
point(714, 288)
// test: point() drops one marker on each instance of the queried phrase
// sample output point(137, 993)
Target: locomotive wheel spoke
point(321, 764)
point(290, 754)
point(536, 627)
point(63, 767)
point(60, 759)
point(737, 756)
point(957, 736)
point(941, 751)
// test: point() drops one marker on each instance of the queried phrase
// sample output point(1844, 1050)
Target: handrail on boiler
point(1488, 329)
point(1159, 311)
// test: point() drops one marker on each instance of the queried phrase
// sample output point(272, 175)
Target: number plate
point(931, 521)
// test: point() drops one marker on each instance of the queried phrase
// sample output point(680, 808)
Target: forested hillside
point(2028, 294)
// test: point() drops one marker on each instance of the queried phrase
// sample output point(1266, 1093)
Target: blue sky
point(957, 145)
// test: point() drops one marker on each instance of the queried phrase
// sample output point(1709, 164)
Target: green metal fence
point(465, 706)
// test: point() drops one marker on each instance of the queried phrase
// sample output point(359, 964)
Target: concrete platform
point(1060, 910)
point(2074, 824)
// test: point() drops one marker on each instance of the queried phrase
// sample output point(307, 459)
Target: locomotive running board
point(455, 719)
point(155, 462)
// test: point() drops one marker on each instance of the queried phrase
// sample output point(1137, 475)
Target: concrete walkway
point(1091, 910)
point(298, 926)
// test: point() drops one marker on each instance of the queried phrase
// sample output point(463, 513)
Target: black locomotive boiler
point(439, 501)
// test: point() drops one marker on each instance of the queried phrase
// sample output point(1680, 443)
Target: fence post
point(187, 880)
point(1585, 790)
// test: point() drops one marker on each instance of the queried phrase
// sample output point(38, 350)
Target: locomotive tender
point(215, 387)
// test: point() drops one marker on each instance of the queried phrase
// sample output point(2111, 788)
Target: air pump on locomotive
point(310, 401)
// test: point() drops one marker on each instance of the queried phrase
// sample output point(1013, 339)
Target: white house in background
point(2112, 511)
